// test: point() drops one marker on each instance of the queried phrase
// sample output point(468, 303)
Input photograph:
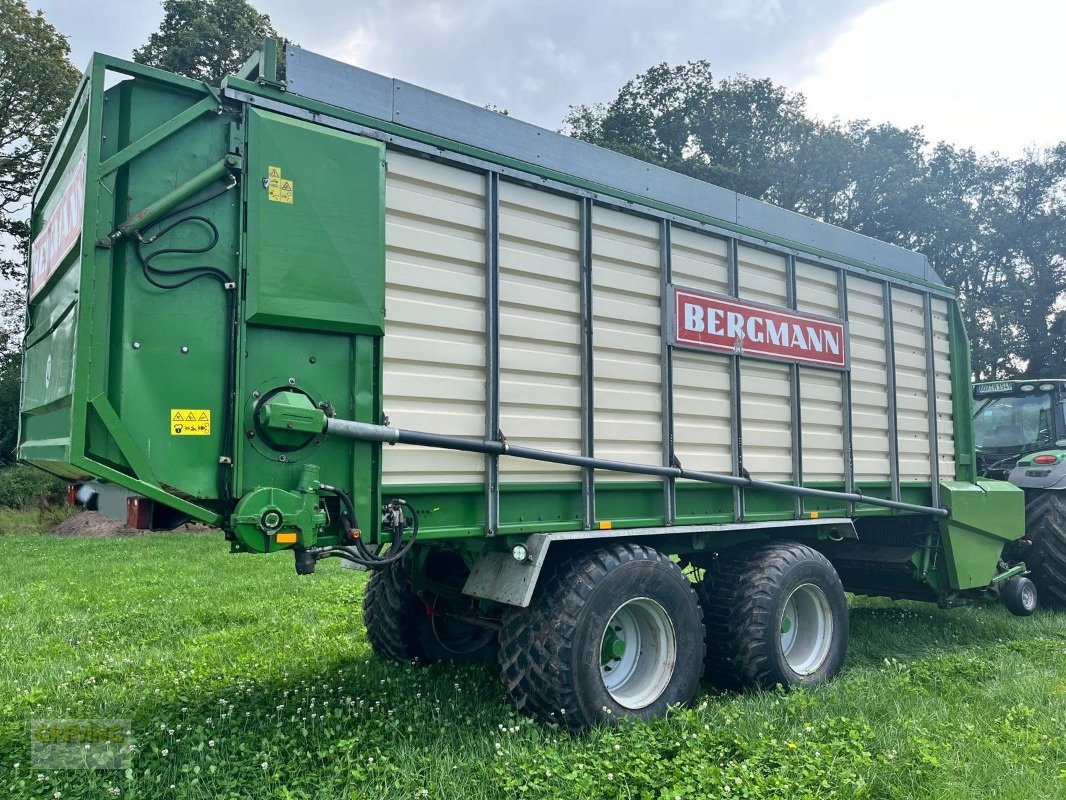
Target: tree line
point(994, 228)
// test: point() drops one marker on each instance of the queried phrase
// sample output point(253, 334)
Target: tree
point(205, 40)
point(37, 82)
point(994, 229)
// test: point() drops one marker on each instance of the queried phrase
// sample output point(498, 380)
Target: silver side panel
point(328, 81)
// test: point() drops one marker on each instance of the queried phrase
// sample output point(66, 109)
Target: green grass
point(22, 521)
point(242, 680)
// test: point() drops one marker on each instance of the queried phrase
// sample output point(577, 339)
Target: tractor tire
point(614, 632)
point(389, 613)
point(1045, 527)
point(402, 627)
point(776, 615)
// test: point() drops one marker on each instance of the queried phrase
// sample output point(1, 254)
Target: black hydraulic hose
point(186, 275)
point(359, 554)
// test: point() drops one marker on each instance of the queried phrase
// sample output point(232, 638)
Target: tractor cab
point(1019, 421)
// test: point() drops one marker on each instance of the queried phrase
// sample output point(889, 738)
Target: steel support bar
point(845, 396)
point(383, 433)
point(736, 441)
point(890, 392)
point(588, 476)
point(666, 379)
point(794, 403)
point(930, 392)
point(154, 137)
point(492, 349)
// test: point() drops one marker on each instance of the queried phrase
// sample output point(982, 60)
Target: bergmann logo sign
point(60, 231)
point(706, 321)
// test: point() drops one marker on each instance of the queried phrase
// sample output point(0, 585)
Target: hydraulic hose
point(358, 553)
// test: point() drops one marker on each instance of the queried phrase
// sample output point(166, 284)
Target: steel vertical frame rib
point(930, 390)
point(492, 349)
point(735, 438)
point(588, 475)
point(666, 381)
point(890, 391)
point(845, 398)
point(795, 410)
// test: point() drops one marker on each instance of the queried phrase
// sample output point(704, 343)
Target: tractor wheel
point(390, 614)
point(615, 632)
point(1045, 526)
point(776, 615)
point(401, 626)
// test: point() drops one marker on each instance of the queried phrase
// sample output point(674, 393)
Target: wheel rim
point(1029, 596)
point(806, 629)
point(638, 651)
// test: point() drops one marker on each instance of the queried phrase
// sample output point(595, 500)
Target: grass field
point(242, 680)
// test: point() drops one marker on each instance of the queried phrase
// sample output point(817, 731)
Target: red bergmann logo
point(60, 232)
point(706, 321)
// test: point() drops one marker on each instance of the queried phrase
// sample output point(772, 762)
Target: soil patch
point(89, 523)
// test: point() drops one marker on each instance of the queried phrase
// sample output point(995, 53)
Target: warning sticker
point(279, 189)
point(190, 422)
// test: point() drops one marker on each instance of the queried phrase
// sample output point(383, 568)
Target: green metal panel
point(984, 516)
point(458, 510)
point(105, 362)
point(315, 271)
point(316, 227)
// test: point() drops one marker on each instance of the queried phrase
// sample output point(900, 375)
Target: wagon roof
point(586, 165)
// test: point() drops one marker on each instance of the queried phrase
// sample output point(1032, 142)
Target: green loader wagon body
point(346, 312)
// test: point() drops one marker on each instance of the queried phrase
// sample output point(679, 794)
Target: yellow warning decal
point(190, 422)
point(279, 189)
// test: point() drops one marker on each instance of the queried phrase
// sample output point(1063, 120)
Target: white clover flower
point(164, 752)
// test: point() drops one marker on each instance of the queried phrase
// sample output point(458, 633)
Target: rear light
point(138, 513)
point(72, 494)
point(1045, 459)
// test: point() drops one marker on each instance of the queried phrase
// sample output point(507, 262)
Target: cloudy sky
point(974, 72)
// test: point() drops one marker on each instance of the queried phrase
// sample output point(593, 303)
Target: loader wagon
point(621, 429)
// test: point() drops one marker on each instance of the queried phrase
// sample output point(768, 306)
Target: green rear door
point(314, 298)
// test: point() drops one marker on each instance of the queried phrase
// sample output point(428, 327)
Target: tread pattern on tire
point(737, 610)
point(1045, 525)
point(535, 642)
point(388, 613)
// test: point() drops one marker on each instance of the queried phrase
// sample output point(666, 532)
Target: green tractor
point(1020, 436)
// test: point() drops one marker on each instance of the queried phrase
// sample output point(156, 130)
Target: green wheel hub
point(612, 649)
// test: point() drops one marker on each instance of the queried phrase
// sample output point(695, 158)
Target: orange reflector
point(815, 514)
point(1045, 459)
point(286, 538)
point(606, 524)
